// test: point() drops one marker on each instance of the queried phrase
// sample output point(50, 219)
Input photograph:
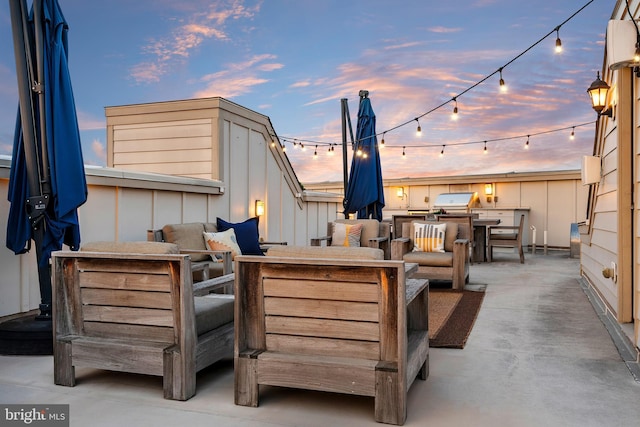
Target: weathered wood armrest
point(399, 247)
point(318, 241)
point(207, 286)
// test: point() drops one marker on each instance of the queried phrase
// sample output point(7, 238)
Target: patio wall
point(553, 200)
point(122, 205)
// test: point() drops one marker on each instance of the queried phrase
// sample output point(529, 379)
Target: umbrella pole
point(37, 201)
point(346, 119)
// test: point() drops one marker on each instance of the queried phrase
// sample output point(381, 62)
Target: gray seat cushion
point(213, 311)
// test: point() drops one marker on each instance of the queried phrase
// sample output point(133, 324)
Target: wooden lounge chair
point(354, 326)
point(136, 312)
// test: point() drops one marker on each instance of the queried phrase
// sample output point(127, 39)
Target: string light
point(573, 134)
point(558, 41)
point(454, 114)
point(526, 144)
point(315, 153)
point(485, 148)
point(419, 129)
point(382, 141)
point(503, 86)
point(442, 152)
point(359, 152)
point(404, 155)
point(284, 148)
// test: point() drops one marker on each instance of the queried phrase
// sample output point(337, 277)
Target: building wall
point(554, 200)
point(611, 237)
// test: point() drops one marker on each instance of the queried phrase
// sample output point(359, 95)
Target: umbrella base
point(26, 336)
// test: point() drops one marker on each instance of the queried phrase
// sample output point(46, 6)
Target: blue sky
point(293, 60)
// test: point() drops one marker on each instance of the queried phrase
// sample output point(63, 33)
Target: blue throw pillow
point(246, 234)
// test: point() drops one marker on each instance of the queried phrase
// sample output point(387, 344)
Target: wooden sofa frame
point(132, 313)
point(346, 326)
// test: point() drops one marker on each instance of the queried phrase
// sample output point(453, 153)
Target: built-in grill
point(456, 202)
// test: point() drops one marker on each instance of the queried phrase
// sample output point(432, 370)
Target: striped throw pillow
point(346, 234)
point(429, 237)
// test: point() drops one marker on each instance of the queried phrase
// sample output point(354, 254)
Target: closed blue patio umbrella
point(364, 194)
point(47, 182)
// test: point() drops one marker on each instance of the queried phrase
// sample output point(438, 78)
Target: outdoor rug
point(451, 316)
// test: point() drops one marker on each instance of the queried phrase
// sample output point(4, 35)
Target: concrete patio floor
point(539, 355)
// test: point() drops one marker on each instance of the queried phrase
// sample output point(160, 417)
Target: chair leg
point(521, 254)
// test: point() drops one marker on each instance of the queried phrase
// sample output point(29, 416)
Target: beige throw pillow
point(346, 234)
point(222, 241)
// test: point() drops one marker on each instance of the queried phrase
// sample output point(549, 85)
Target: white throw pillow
point(222, 241)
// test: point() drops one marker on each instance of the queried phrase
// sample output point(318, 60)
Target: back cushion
point(187, 236)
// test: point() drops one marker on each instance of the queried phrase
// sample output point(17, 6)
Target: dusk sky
point(294, 60)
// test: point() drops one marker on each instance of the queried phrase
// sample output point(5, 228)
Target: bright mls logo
point(34, 415)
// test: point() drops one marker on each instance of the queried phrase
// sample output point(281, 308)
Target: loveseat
point(205, 261)
point(452, 264)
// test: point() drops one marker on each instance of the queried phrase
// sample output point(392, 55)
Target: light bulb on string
point(382, 140)
point(636, 56)
point(302, 147)
point(503, 86)
point(454, 114)
point(284, 148)
point(573, 134)
point(558, 41)
point(442, 152)
point(273, 143)
point(485, 148)
point(315, 153)
point(526, 144)
point(419, 129)
point(404, 155)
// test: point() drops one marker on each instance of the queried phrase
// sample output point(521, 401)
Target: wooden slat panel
point(134, 316)
point(123, 357)
point(320, 289)
point(126, 298)
point(125, 331)
point(325, 309)
point(349, 379)
point(130, 281)
point(336, 273)
point(324, 328)
point(323, 346)
point(122, 266)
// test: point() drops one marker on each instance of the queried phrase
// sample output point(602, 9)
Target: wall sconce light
point(488, 191)
point(400, 192)
point(598, 92)
point(259, 208)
